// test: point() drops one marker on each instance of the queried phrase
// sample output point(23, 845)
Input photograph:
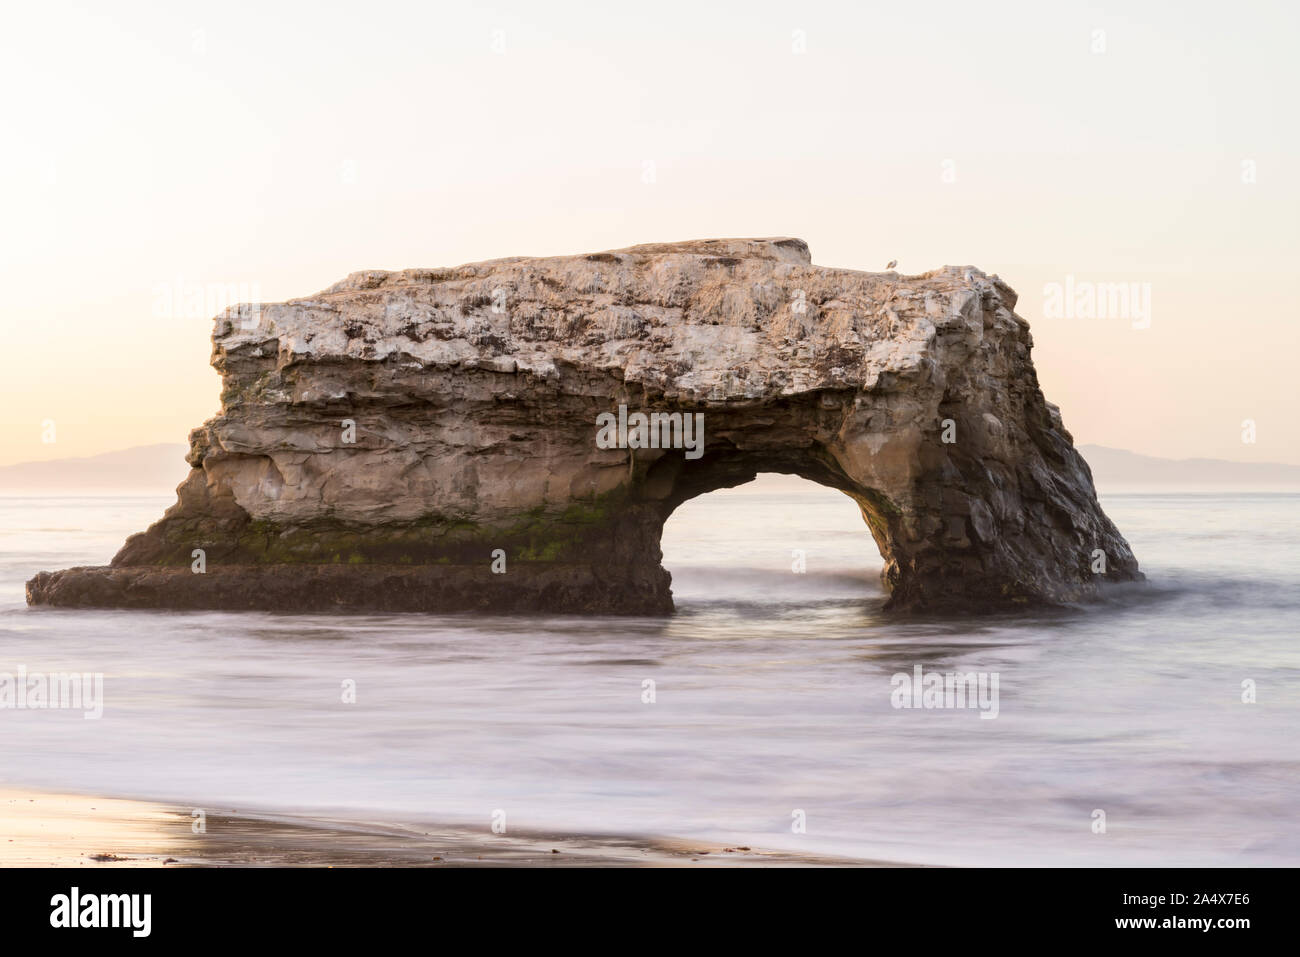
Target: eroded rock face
point(379, 441)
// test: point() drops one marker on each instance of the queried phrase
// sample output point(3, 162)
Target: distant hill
point(145, 468)
point(1115, 468)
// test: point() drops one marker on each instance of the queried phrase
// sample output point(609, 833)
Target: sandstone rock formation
point(473, 395)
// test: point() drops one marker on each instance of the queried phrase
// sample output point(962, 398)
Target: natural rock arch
point(473, 396)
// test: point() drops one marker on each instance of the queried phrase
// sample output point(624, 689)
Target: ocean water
point(772, 697)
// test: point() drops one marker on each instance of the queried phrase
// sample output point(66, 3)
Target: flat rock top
point(779, 249)
point(715, 318)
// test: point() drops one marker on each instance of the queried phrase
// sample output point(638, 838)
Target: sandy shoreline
point(40, 829)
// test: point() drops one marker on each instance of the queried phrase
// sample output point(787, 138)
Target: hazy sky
point(166, 148)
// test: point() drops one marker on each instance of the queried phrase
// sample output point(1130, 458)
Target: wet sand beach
point(39, 829)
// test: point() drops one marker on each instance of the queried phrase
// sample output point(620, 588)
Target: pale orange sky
point(162, 147)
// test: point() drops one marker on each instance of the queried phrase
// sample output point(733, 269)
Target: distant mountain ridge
point(160, 468)
point(144, 468)
point(1117, 467)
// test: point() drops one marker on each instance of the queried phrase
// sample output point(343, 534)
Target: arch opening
point(669, 482)
point(779, 539)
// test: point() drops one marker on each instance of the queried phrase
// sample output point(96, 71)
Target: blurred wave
point(771, 691)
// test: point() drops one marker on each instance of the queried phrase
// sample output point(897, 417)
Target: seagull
point(892, 264)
